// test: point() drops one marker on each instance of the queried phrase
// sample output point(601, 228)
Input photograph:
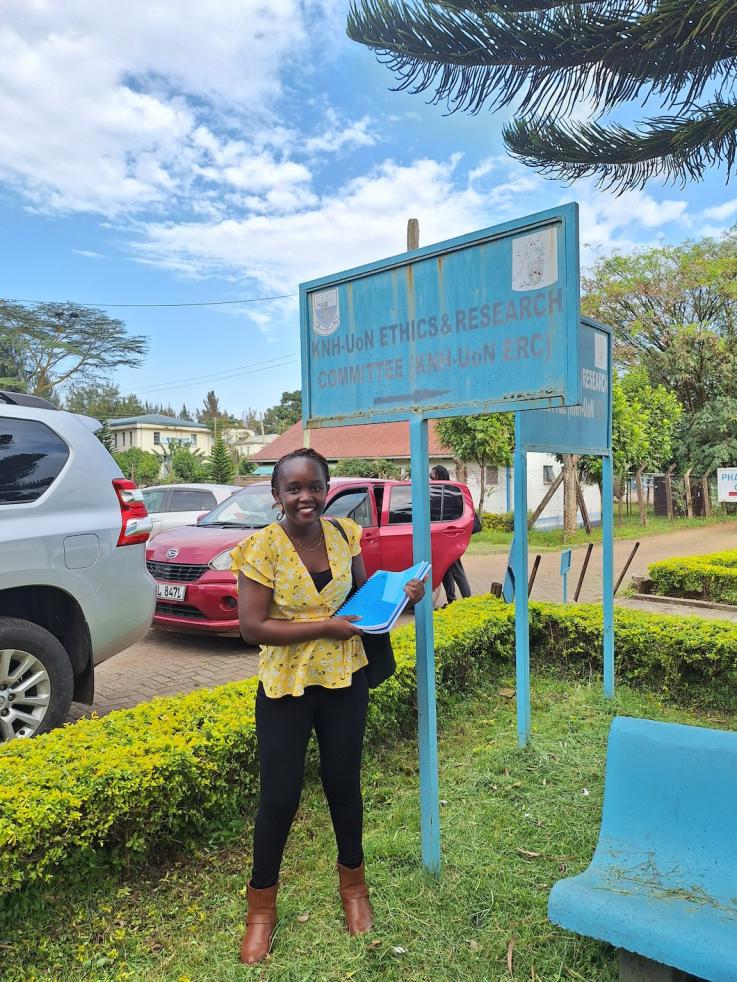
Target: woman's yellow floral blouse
point(268, 557)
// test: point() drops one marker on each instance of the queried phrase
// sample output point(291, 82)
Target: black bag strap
point(336, 524)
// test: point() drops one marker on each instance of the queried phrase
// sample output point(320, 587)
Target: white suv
point(74, 588)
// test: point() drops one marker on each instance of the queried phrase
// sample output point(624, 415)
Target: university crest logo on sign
point(325, 312)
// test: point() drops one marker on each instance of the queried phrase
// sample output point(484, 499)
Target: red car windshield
point(251, 508)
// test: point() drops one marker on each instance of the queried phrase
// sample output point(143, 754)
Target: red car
point(191, 564)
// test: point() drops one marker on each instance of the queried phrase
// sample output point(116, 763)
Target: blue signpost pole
point(425, 647)
point(519, 567)
point(607, 527)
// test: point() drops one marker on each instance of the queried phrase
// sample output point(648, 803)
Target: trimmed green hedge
point(710, 577)
point(169, 771)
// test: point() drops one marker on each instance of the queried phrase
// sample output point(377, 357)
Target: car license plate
point(170, 591)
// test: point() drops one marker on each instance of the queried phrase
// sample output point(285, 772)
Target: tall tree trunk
point(482, 492)
point(569, 495)
point(640, 495)
point(669, 491)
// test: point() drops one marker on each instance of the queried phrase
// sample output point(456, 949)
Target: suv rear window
point(31, 458)
point(442, 507)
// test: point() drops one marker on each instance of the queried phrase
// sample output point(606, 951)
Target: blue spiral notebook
point(381, 599)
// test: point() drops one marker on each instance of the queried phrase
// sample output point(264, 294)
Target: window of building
point(548, 475)
point(491, 475)
point(122, 437)
point(31, 458)
point(193, 440)
point(157, 437)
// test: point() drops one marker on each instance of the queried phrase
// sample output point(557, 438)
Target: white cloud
point(104, 105)
point(721, 213)
point(340, 133)
point(365, 219)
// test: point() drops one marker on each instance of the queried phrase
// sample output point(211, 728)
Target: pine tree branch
point(675, 147)
point(476, 54)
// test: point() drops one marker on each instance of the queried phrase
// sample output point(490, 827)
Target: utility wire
point(228, 373)
point(194, 303)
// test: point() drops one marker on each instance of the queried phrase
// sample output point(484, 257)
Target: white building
point(246, 442)
point(153, 433)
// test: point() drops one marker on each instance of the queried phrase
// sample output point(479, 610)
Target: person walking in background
point(293, 576)
point(455, 574)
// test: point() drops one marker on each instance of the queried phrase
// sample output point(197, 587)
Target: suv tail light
point(135, 523)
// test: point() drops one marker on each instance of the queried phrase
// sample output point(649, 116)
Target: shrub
point(709, 577)
point(172, 769)
point(502, 522)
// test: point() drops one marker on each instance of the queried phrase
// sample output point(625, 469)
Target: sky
point(185, 151)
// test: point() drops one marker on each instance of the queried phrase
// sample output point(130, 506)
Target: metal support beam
point(607, 532)
point(519, 566)
point(427, 736)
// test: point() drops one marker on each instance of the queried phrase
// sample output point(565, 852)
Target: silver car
point(74, 589)
point(173, 505)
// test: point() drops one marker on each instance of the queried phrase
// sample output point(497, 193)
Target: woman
point(293, 576)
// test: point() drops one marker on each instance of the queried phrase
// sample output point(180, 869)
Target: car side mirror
point(203, 515)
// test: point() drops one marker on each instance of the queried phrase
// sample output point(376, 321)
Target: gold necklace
point(297, 545)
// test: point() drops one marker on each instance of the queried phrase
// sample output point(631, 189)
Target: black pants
point(456, 574)
point(283, 728)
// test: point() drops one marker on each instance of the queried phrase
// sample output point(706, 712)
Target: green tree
point(674, 312)
point(279, 418)
point(62, 344)
point(101, 400)
point(106, 438)
point(187, 466)
point(486, 440)
point(710, 438)
point(359, 467)
point(547, 57)
point(220, 466)
point(213, 415)
point(246, 467)
point(650, 418)
point(140, 466)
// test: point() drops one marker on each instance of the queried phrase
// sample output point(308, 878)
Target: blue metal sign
point(582, 429)
point(482, 323)
point(586, 428)
point(565, 562)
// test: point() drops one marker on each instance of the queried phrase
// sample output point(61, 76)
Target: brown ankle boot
point(354, 894)
point(260, 924)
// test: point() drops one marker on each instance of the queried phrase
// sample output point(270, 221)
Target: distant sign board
point(586, 428)
point(481, 323)
point(727, 483)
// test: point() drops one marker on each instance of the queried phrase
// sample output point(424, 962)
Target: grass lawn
point(513, 822)
point(543, 540)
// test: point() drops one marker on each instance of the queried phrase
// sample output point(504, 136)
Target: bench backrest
point(670, 807)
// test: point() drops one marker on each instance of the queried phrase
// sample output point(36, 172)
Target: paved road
point(164, 663)
point(482, 570)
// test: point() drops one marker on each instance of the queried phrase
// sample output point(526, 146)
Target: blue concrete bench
point(663, 880)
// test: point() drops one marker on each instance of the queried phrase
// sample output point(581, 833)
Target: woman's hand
point(415, 590)
point(341, 628)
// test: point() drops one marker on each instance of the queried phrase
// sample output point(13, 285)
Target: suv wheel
point(36, 680)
